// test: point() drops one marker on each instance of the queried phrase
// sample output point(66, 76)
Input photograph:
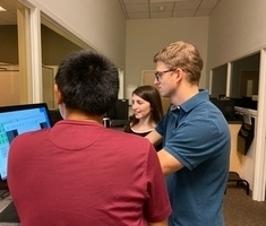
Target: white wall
point(100, 23)
point(144, 38)
point(236, 28)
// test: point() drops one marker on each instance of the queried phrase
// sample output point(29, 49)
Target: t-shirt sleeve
point(157, 206)
point(196, 141)
point(15, 165)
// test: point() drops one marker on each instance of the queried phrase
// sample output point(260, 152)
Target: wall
point(236, 28)
point(9, 44)
point(55, 47)
point(219, 81)
point(100, 24)
point(9, 85)
point(146, 37)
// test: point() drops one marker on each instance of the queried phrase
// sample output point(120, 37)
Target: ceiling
point(145, 9)
point(9, 16)
point(136, 9)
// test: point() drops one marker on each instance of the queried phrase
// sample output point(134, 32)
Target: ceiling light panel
point(139, 15)
point(159, 7)
point(135, 1)
point(165, 14)
point(208, 4)
point(203, 12)
point(189, 5)
point(136, 8)
point(165, 1)
point(184, 13)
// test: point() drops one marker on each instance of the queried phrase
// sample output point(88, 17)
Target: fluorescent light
point(2, 9)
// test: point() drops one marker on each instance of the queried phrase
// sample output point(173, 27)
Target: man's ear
point(58, 96)
point(179, 74)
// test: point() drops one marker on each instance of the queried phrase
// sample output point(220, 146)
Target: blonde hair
point(182, 55)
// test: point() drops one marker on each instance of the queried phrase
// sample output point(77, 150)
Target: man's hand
point(154, 137)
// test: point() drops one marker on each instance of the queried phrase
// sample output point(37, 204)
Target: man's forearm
point(169, 163)
point(162, 223)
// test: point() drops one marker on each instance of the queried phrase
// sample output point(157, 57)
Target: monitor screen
point(118, 113)
point(119, 110)
point(15, 120)
point(226, 106)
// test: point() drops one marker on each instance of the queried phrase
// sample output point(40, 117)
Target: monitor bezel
point(10, 108)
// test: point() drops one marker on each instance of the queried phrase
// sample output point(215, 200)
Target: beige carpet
point(241, 210)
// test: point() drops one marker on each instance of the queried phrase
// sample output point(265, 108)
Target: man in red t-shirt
point(79, 173)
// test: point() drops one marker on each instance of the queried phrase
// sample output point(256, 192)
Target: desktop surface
point(9, 214)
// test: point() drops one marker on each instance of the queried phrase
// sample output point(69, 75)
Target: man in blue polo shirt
point(196, 140)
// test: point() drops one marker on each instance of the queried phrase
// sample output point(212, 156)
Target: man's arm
point(162, 223)
point(154, 137)
point(169, 163)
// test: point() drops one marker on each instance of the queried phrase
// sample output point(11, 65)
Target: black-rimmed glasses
point(158, 74)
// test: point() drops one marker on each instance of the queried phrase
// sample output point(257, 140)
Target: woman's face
point(141, 108)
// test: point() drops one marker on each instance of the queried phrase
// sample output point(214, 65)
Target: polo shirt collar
point(200, 97)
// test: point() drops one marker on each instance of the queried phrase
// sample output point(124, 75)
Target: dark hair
point(150, 94)
point(88, 82)
point(183, 55)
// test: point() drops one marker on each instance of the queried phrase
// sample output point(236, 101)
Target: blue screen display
point(14, 122)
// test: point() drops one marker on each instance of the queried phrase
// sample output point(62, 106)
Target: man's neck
point(81, 116)
point(184, 93)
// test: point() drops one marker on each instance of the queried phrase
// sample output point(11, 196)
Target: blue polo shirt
point(197, 135)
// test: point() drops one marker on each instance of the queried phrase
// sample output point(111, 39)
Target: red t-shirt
point(80, 173)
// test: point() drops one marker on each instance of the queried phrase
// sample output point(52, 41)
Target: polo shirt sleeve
point(195, 141)
point(157, 207)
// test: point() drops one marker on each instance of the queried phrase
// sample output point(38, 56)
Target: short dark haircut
point(151, 95)
point(88, 82)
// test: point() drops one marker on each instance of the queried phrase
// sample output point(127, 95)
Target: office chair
point(235, 178)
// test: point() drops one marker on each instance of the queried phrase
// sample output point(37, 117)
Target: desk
point(3, 204)
point(9, 224)
point(235, 156)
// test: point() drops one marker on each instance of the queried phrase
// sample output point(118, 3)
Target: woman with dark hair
point(147, 111)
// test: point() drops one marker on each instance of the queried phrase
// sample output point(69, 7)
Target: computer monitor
point(119, 110)
point(226, 106)
point(55, 116)
point(15, 120)
point(118, 113)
